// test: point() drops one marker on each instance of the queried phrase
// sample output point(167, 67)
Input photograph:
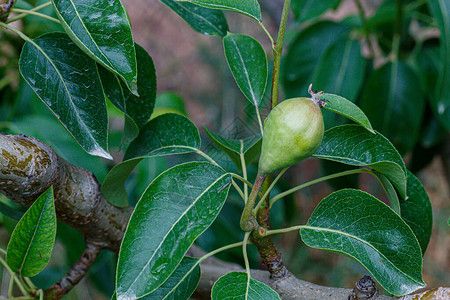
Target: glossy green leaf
point(354, 145)
point(440, 10)
point(304, 55)
point(360, 226)
point(181, 284)
point(340, 71)
point(201, 19)
point(394, 202)
point(31, 243)
point(137, 109)
point(176, 208)
point(249, 8)
point(346, 108)
point(417, 211)
point(67, 81)
point(234, 285)
point(393, 101)
point(308, 9)
point(250, 147)
point(248, 63)
point(165, 135)
point(102, 30)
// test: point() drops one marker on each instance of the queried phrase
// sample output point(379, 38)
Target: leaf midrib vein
point(173, 225)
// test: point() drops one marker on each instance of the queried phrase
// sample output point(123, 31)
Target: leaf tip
point(133, 88)
point(99, 151)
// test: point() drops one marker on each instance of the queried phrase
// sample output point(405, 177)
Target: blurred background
point(194, 79)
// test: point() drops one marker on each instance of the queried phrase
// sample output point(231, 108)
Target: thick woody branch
point(28, 167)
point(290, 287)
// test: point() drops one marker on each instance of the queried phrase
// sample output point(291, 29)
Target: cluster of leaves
point(406, 96)
point(94, 59)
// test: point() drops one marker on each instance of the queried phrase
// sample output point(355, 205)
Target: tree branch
point(290, 287)
point(28, 167)
point(76, 273)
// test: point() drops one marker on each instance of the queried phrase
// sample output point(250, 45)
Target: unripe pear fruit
point(292, 132)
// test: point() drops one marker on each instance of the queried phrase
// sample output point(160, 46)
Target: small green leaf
point(248, 63)
point(440, 10)
point(346, 108)
point(305, 10)
point(304, 54)
point(234, 285)
point(394, 203)
point(32, 240)
point(393, 101)
point(165, 135)
point(354, 145)
point(181, 284)
point(137, 109)
point(102, 30)
point(67, 81)
point(417, 211)
point(203, 20)
point(249, 8)
point(340, 71)
point(358, 225)
point(251, 147)
point(178, 206)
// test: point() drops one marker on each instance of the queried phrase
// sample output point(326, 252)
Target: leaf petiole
point(244, 169)
point(272, 42)
point(284, 230)
point(325, 178)
point(19, 33)
point(21, 16)
point(13, 278)
point(230, 246)
point(247, 264)
point(26, 12)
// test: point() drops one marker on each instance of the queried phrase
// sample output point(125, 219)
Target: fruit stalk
point(248, 222)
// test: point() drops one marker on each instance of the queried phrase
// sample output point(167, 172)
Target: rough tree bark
point(28, 167)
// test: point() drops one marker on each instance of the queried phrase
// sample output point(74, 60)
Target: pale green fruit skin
point(293, 131)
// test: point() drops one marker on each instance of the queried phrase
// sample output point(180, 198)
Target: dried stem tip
point(364, 289)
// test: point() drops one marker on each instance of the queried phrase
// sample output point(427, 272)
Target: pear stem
point(248, 222)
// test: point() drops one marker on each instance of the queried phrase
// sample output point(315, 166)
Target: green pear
point(292, 132)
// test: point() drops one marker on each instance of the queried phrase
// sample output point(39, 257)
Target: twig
point(76, 273)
